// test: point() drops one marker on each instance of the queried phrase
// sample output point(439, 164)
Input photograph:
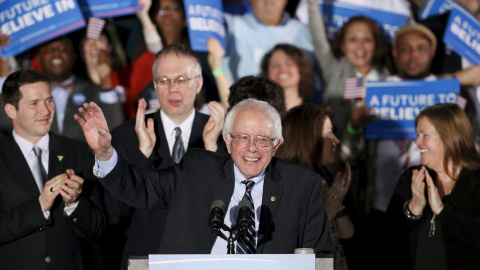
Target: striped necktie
point(178, 148)
point(247, 244)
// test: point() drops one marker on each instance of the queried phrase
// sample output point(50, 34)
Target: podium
point(231, 261)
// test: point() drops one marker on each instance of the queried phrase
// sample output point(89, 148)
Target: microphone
point(245, 211)
point(217, 214)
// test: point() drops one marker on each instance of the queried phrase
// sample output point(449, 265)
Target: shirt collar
point(285, 19)
point(239, 176)
point(26, 146)
point(169, 126)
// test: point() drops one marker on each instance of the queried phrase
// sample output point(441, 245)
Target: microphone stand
point(230, 240)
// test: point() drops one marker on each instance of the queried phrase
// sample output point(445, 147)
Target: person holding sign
point(437, 204)
point(448, 61)
point(358, 52)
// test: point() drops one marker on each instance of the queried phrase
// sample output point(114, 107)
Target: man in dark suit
point(287, 198)
point(180, 67)
point(43, 221)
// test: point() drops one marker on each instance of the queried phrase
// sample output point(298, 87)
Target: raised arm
point(322, 50)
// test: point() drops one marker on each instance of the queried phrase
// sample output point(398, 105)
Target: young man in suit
point(46, 206)
point(177, 81)
point(287, 198)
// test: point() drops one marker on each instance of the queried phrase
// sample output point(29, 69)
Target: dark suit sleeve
point(22, 220)
point(89, 219)
point(317, 233)
point(146, 189)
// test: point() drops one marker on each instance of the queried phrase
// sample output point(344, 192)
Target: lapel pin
point(60, 158)
point(273, 198)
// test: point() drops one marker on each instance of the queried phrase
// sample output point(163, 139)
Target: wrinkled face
point(283, 70)
point(359, 45)
point(251, 159)
point(430, 144)
point(177, 100)
point(170, 18)
point(330, 143)
point(57, 58)
point(413, 56)
point(35, 111)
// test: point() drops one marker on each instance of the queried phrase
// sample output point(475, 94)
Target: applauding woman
point(440, 200)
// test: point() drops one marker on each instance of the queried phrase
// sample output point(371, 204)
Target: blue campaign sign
point(335, 14)
point(462, 34)
point(109, 8)
point(397, 104)
point(30, 23)
point(435, 7)
point(205, 20)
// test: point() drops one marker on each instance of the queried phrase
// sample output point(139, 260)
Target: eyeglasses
point(168, 10)
point(180, 81)
point(244, 139)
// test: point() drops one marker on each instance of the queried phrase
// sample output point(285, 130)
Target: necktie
point(38, 170)
point(246, 244)
point(178, 149)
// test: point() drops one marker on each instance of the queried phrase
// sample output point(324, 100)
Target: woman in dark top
point(440, 200)
point(309, 140)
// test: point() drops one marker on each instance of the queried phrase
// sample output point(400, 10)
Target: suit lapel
point(19, 162)
point(163, 153)
point(272, 193)
point(57, 158)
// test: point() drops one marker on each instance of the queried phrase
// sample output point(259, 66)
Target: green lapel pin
point(60, 158)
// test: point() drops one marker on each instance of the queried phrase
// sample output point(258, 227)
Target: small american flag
point(94, 27)
point(461, 101)
point(354, 88)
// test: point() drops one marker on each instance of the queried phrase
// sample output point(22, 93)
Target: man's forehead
point(172, 63)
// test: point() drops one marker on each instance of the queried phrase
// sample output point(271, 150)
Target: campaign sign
point(397, 104)
point(205, 20)
point(109, 8)
point(462, 34)
point(335, 14)
point(30, 23)
point(435, 7)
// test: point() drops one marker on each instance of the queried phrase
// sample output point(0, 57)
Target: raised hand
point(214, 126)
point(335, 194)
point(215, 53)
point(145, 133)
point(96, 131)
point(418, 201)
point(434, 199)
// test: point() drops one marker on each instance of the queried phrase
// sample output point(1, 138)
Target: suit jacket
point(27, 239)
point(460, 219)
point(146, 226)
point(86, 91)
point(292, 210)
